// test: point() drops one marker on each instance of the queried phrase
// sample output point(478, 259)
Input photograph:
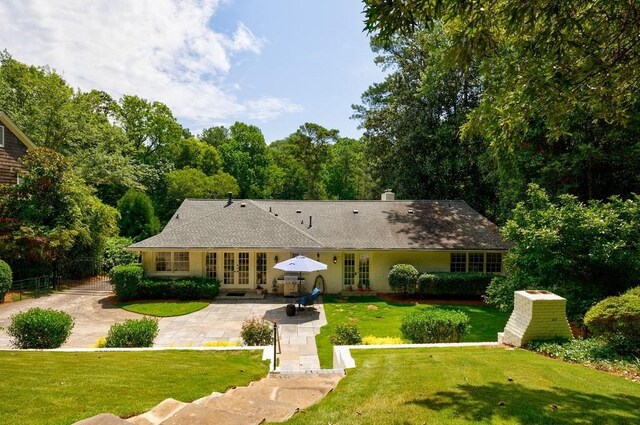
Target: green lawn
point(384, 318)
point(467, 385)
point(163, 308)
point(62, 388)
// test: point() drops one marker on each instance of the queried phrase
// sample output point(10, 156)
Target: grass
point(461, 386)
point(44, 388)
point(383, 320)
point(163, 308)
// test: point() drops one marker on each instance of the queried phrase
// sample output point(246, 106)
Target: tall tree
point(137, 216)
point(346, 175)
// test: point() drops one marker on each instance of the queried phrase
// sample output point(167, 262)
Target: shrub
point(403, 278)
point(452, 283)
point(617, 319)
point(256, 332)
point(435, 325)
point(6, 277)
point(40, 328)
point(115, 253)
point(346, 335)
point(575, 350)
point(132, 333)
point(189, 288)
point(380, 340)
point(126, 280)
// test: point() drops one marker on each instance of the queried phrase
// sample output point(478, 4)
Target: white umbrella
point(300, 264)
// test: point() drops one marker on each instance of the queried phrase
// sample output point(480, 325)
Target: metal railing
point(276, 344)
point(32, 287)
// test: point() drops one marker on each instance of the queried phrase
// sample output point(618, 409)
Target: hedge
point(188, 288)
point(126, 280)
point(431, 325)
point(454, 283)
point(617, 319)
point(6, 278)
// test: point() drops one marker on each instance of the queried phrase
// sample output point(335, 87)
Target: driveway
point(93, 315)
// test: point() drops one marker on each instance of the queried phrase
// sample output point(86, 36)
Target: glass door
point(228, 269)
point(235, 270)
point(349, 271)
point(363, 271)
point(243, 269)
point(356, 271)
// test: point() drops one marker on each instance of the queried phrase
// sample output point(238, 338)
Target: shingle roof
point(426, 225)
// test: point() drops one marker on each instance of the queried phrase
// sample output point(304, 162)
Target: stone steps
point(275, 398)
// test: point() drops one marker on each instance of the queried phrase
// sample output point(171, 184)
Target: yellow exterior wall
point(379, 266)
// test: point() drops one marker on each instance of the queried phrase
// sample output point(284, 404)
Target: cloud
point(162, 50)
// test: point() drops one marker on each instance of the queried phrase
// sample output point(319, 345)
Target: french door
point(235, 270)
point(356, 270)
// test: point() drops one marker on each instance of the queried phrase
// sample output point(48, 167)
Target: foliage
point(40, 328)
point(126, 281)
point(133, 333)
point(256, 332)
point(434, 325)
point(451, 283)
point(163, 308)
point(116, 254)
point(346, 335)
point(346, 175)
point(137, 217)
point(193, 153)
point(583, 252)
point(412, 120)
point(185, 288)
point(384, 340)
point(221, 344)
point(6, 279)
point(52, 215)
point(617, 319)
point(575, 350)
point(403, 278)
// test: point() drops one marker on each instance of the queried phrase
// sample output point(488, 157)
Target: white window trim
point(1, 136)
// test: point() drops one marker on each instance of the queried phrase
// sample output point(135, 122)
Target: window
point(1, 136)
point(494, 262)
point(261, 268)
point(458, 262)
point(243, 268)
point(18, 178)
point(163, 261)
point(180, 261)
point(476, 262)
point(211, 265)
point(349, 277)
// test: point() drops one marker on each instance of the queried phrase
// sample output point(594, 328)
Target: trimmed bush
point(435, 325)
point(189, 288)
point(125, 280)
point(454, 284)
point(6, 278)
point(256, 332)
point(346, 335)
point(403, 278)
point(40, 328)
point(617, 319)
point(132, 333)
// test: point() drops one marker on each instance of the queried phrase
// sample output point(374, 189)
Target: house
point(13, 145)
point(239, 241)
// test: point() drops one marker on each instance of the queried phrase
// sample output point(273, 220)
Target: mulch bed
point(401, 299)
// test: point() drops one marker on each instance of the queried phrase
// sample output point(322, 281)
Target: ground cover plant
point(379, 318)
point(69, 387)
point(473, 385)
point(163, 308)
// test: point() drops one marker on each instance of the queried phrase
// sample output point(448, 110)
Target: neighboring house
point(239, 241)
point(13, 145)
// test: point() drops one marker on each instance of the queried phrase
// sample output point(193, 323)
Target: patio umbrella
point(300, 264)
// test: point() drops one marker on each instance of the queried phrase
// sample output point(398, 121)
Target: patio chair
point(308, 299)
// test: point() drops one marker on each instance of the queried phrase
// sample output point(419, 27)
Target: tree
point(346, 176)
point(244, 156)
point(193, 153)
point(137, 217)
point(52, 216)
point(192, 183)
point(215, 136)
point(583, 252)
point(412, 120)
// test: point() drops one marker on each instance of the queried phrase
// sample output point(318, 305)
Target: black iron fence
point(89, 274)
point(32, 287)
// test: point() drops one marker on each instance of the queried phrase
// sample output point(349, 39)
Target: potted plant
point(367, 285)
point(359, 287)
point(259, 289)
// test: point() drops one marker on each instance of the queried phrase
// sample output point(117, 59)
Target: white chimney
point(388, 195)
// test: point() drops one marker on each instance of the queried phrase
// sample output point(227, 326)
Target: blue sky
point(275, 64)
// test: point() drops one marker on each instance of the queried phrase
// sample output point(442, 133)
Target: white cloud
point(161, 50)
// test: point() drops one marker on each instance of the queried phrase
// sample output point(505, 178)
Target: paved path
point(220, 321)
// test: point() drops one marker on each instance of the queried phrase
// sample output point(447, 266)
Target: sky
point(275, 64)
